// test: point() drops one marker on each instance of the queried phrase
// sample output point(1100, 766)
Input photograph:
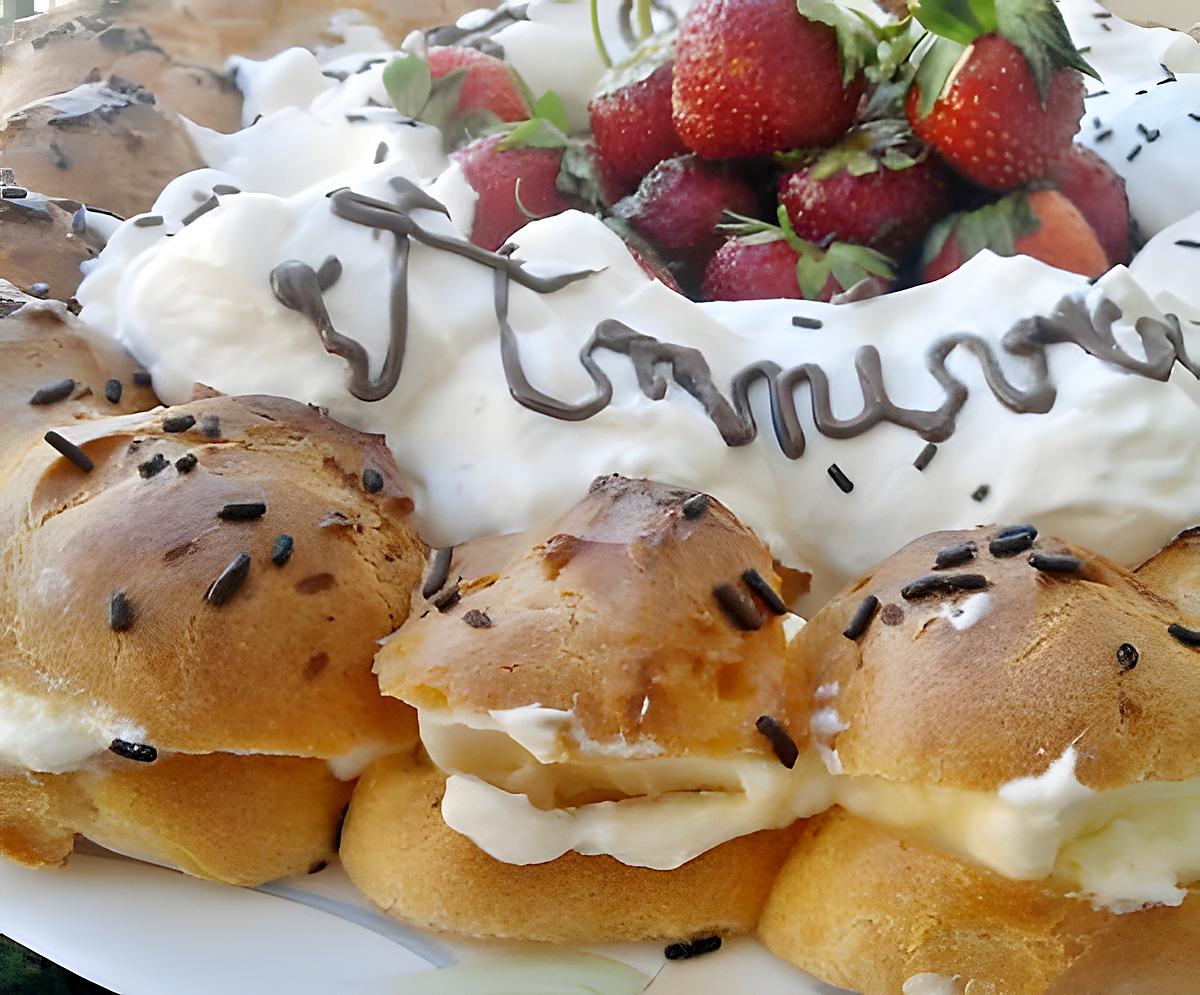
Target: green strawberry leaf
point(812, 273)
point(959, 20)
point(856, 34)
point(408, 84)
point(536, 133)
point(939, 60)
point(865, 149)
point(550, 107)
point(851, 264)
point(1037, 29)
point(743, 226)
point(441, 106)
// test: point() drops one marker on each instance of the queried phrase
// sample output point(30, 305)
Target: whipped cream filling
point(1122, 849)
point(526, 787)
point(928, 983)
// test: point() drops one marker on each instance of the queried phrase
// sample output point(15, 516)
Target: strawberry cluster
point(797, 149)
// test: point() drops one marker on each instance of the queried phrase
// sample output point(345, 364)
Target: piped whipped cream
point(1122, 849)
point(526, 785)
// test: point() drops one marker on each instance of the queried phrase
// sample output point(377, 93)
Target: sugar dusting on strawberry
point(488, 84)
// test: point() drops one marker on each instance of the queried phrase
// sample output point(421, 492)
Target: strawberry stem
point(598, 35)
point(645, 19)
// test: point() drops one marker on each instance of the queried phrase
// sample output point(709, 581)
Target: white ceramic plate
point(144, 930)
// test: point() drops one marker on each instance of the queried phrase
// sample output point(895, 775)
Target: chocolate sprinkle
point(141, 378)
point(1104, 136)
point(222, 590)
point(282, 550)
point(845, 484)
point(981, 492)
point(372, 480)
point(120, 613)
point(1127, 657)
point(926, 456)
point(696, 948)
point(477, 619)
point(113, 390)
point(59, 157)
point(54, 392)
point(381, 153)
point(186, 463)
point(210, 426)
point(861, 618)
point(1137, 151)
point(439, 571)
point(244, 511)
point(148, 221)
point(448, 598)
point(153, 466)
point(1189, 637)
point(178, 423)
point(738, 607)
point(1056, 563)
point(954, 556)
point(1187, 243)
point(696, 505)
point(783, 744)
point(1151, 135)
point(138, 752)
point(802, 322)
point(1013, 540)
point(70, 451)
point(923, 587)
point(758, 584)
point(212, 203)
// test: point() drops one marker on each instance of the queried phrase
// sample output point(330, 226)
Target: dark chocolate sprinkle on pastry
point(372, 480)
point(758, 584)
point(1127, 657)
point(448, 598)
point(281, 552)
point(71, 452)
point(242, 511)
point(695, 948)
point(954, 556)
point(738, 607)
point(210, 427)
point(696, 505)
point(926, 456)
point(113, 390)
point(54, 392)
point(137, 752)
point(1189, 637)
point(39, 290)
point(783, 744)
point(222, 590)
point(153, 466)
point(923, 587)
point(1056, 563)
point(477, 619)
point(148, 221)
point(178, 423)
point(439, 570)
point(14, 193)
point(861, 618)
point(981, 492)
point(801, 322)
point(120, 613)
point(836, 474)
point(186, 463)
point(141, 378)
point(1013, 540)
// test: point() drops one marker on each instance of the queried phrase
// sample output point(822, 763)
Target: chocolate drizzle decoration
point(299, 287)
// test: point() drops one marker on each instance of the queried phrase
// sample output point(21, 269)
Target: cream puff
point(612, 722)
point(191, 604)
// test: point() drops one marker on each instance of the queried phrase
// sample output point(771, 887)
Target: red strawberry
point(631, 118)
point(756, 76)
point(515, 185)
point(680, 203)
point(1002, 109)
point(645, 255)
point(765, 262)
point(489, 84)
point(1042, 224)
point(876, 188)
point(1098, 192)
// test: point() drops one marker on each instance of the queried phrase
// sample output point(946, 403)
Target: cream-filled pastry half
point(623, 687)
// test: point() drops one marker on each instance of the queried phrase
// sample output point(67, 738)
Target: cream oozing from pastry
point(1108, 467)
point(527, 785)
point(1122, 849)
